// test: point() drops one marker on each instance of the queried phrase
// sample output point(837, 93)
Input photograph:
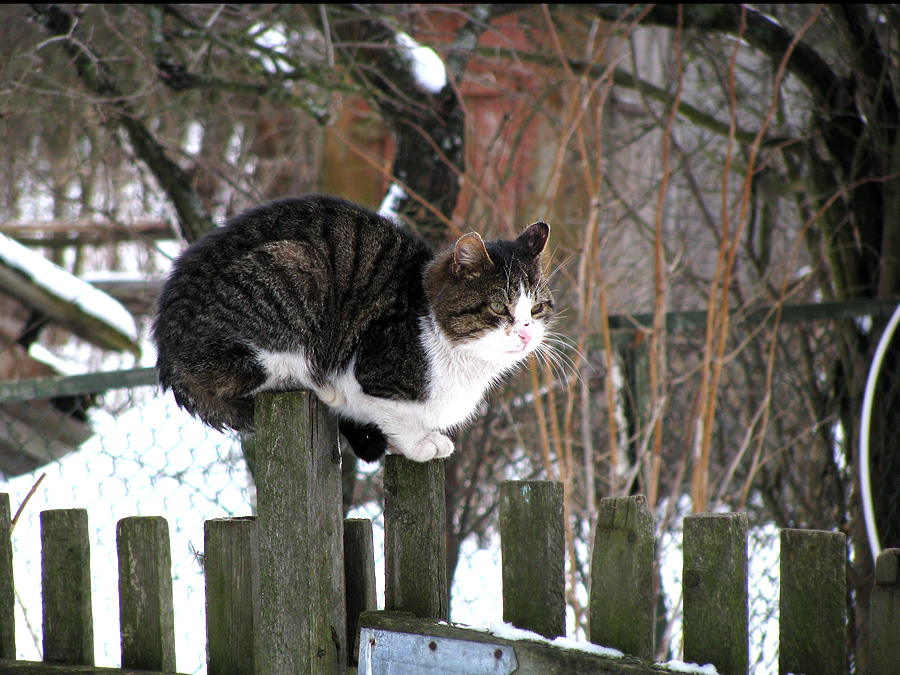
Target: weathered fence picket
point(715, 591)
point(231, 570)
point(532, 538)
point(68, 626)
point(415, 538)
point(302, 625)
point(359, 576)
point(7, 588)
point(292, 590)
point(622, 604)
point(813, 619)
point(146, 610)
point(884, 611)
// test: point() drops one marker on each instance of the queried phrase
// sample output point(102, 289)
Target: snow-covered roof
point(68, 288)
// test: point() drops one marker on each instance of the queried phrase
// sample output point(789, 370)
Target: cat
point(317, 293)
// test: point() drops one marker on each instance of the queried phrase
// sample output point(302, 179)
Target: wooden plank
point(532, 657)
point(359, 578)
point(715, 591)
point(884, 615)
point(69, 315)
point(533, 545)
point(7, 585)
point(816, 311)
point(813, 620)
point(622, 602)
point(231, 567)
point(75, 385)
point(415, 538)
point(66, 587)
point(36, 668)
point(146, 610)
point(302, 622)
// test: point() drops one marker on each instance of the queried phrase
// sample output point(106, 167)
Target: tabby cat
point(317, 293)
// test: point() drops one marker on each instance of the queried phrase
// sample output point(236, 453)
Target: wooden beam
point(76, 385)
point(78, 232)
point(531, 657)
point(69, 315)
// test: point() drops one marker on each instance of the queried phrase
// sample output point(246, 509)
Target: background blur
point(723, 186)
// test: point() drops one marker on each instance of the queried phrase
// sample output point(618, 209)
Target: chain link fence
point(139, 454)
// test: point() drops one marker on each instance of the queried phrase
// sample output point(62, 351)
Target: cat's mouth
point(520, 348)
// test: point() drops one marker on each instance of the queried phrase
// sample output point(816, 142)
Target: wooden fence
point(293, 590)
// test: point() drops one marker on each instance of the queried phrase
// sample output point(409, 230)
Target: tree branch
point(845, 131)
point(99, 79)
point(381, 64)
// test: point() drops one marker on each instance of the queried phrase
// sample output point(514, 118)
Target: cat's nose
point(524, 332)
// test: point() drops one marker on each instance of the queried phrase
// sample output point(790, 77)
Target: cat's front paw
point(433, 446)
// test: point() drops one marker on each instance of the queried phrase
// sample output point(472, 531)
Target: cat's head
point(492, 297)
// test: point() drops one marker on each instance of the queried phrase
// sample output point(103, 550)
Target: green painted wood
point(415, 538)
point(75, 385)
point(359, 578)
point(813, 612)
point(622, 603)
point(715, 591)
point(7, 585)
point(66, 587)
point(146, 610)
point(884, 615)
point(302, 623)
point(533, 545)
point(231, 568)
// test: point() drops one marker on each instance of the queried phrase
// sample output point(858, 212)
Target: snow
point(391, 201)
point(68, 287)
point(271, 38)
point(427, 67)
point(509, 632)
point(63, 366)
point(682, 667)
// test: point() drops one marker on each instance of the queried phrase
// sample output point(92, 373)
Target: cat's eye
point(537, 309)
point(498, 307)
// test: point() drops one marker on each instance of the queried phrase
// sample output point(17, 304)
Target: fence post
point(415, 538)
point(66, 587)
point(884, 615)
point(359, 575)
point(231, 569)
point(622, 605)
point(813, 620)
point(302, 621)
point(715, 591)
point(533, 550)
point(7, 587)
point(146, 611)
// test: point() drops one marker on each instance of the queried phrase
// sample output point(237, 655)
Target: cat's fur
point(318, 293)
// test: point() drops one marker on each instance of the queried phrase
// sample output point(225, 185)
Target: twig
point(25, 501)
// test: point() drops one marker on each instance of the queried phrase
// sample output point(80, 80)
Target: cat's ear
point(470, 256)
point(534, 238)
